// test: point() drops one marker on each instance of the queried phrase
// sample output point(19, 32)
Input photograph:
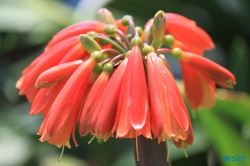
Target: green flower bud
point(97, 55)
point(108, 67)
point(125, 20)
point(176, 53)
point(106, 16)
point(168, 40)
point(147, 49)
point(139, 30)
point(158, 29)
point(136, 41)
point(110, 29)
point(89, 43)
point(97, 69)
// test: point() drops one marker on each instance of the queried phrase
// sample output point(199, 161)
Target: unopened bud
point(89, 43)
point(97, 55)
point(176, 53)
point(125, 20)
point(139, 30)
point(110, 29)
point(158, 29)
point(147, 49)
point(136, 41)
point(168, 40)
point(106, 16)
point(108, 67)
point(97, 69)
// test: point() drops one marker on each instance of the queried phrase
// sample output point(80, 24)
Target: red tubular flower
point(169, 118)
point(76, 30)
point(205, 90)
point(213, 71)
point(191, 38)
point(133, 105)
point(53, 78)
point(183, 143)
point(187, 32)
point(45, 98)
point(61, 120)
point(88, 114)
point(48, 59)
point(105, 110)
point(57, 74)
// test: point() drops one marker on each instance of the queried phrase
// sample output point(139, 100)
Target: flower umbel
point(111, 79)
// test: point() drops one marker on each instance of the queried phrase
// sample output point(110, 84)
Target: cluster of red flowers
point(110, 78)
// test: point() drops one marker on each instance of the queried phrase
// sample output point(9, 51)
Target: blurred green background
point(27, 25)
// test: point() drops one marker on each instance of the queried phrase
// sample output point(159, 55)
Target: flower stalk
point(150, 152)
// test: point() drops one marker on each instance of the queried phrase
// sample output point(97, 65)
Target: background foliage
point(25, 28)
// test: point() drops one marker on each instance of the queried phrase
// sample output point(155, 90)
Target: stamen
point(91, 140)
point(185, 153)
point(61, 153)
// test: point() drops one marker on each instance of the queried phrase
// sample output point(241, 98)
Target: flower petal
point(76, 30)
point(133, 105)
point(215, 72)
point(65, 109)
point(107, 104)
point(57, 73)
point(187, 32)
point(160, 111)
point(199, 90)
point(50, 58)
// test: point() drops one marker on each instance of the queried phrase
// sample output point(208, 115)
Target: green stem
point(150, 152)
point(114, 44)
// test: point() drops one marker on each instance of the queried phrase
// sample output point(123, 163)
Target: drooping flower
point(208, 68)
point(51, 81)
point(133, 105)
point(191, 38)
point(186, 31)
point(106, 107)
point(168, 114)
point(46, 60)
point(89, 114)
point(61, 119)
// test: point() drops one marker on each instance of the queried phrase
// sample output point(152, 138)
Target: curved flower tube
point(168, 114)
point(133, 104)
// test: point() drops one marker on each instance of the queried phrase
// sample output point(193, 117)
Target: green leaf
point(236, 110)
point(225, 138)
